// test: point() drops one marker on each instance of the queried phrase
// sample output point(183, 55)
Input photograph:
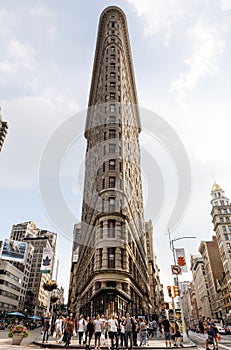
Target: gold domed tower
point(221, 218)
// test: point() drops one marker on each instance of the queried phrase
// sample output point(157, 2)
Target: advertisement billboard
point(13, 250)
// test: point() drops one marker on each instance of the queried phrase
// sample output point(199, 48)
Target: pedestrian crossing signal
point(175, 291)
point(166, 306)
point(169, 291)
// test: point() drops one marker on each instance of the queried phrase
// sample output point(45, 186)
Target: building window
point(111, 204)
point(101, 229)
point(100, 257)
point(112, 65)
point(112, 57)
point(103, 166)
point(229, 227)
point(112, 108)
point(111, 228)
point(227, 219)
point(112, 119)
point(123, 256)
point(112, 148)
point(112, 180)
point(112, 134)
point(120, 167)
point(221, 219)
point(103, 205)
point(223, 228)
point(112, 164)
point(112, 96)
point(112, 85)
point(111, 258)
point(103, 184)
point(122, 230)
point(112, 74)
point(226, 236)
point(105, 136)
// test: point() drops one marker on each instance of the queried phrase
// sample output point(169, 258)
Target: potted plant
point(17, 333)
point(50, 285)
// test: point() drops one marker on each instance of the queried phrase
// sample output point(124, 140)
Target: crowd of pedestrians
point(114, 332)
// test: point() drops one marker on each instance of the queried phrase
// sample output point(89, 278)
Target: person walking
point(143, 332)
point(59, 328)
point(46, 327)
point(98, 328)
point(70, 327)
point(89, 332)
point(154, 326)
point(128, 330)
point(166, 327)
point(122, 333)
point(178, 334)
point(81, 328)
point(112, 326)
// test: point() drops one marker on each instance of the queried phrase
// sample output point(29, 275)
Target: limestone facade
point(112, 268)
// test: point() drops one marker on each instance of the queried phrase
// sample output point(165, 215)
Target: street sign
point(176, 270)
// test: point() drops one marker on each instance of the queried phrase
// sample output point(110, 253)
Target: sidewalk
point(158, 343)
point(36, 339)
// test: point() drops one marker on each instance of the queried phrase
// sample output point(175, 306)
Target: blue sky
point(181, 54)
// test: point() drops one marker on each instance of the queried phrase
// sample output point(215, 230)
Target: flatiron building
point(112, 274)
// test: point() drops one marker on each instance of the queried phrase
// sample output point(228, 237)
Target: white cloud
point(22, 52)
point(160, 15)
point(225, 5)
point(7, 67)
point(207, 44)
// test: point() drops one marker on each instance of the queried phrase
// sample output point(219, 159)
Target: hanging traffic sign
point(176, 270)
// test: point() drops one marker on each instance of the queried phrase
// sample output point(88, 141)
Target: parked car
point(228, 329)
point(220, 328)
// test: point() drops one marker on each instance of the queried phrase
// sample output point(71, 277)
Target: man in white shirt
point(113, 326)
point(98, 327)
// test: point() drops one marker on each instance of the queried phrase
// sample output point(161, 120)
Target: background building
point(36, 299)
point(112, 269)
point(3, 131)
point(10, 287)
point(221, 218)
point(201, 287)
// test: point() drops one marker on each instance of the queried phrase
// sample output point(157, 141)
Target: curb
point(76, 346)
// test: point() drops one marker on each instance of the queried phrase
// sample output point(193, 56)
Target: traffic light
point(166, 306)
point(175, 291)
point(169, 291)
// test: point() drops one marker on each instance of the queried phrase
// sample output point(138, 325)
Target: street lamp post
point(172, 247)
